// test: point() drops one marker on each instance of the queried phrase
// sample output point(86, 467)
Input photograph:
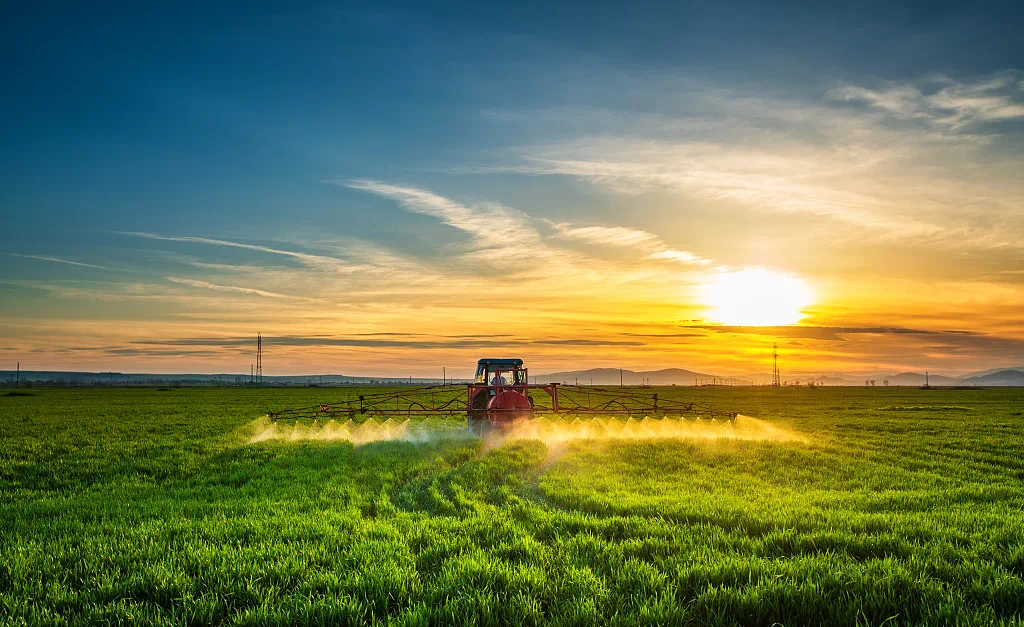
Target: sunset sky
point(388, 189)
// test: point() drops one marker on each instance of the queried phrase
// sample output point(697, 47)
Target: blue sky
point(862, 147)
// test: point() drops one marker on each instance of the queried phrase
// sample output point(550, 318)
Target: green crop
point(895, 506)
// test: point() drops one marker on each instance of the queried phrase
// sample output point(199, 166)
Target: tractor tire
point(477, 423)
point(480, 401)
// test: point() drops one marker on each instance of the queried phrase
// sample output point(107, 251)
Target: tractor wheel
point(480, 401)
point(478, 423)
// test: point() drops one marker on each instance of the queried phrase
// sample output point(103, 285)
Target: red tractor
point(500, 394)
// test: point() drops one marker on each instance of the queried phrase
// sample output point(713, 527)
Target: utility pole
point(775, 367)
point(620, 377)
point(259, 358)
point(444, 377)
point(17, 382)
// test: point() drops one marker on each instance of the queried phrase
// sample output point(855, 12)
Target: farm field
point(881, 506)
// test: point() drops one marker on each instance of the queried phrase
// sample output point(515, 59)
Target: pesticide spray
point(555, 431)
point(548, 430)
point(358, 433)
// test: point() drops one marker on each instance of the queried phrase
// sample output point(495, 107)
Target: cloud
point(891, 345)
point(778, 178)
point(899, 177)
point(494, 228)
point(159, 352)
point(584, 342)
point(231, 288)
point(680, 256)
point(824, 332)
point(604, 235)
point(665, 335)
point(57, 260)
point(901, 100)
point(943, 101)
point(625, 237)
point(319, 260)
point(391, 285)
point(430, 342)
point(499, 234)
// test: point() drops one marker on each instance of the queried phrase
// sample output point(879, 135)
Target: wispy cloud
point(898, 176)
point(57, 260)
point(680, 256)
point(625, 237)
point(496, 230)
point(411, 341)
point(500, 234)
point(231, 288)
point(604, 235)
point(826, 332)
point(943, 101)
point(333, 262)
point(872, 342)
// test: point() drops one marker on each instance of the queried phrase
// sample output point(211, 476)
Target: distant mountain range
point(984, 373)
point(592, 376)
point(999, 377)
point(914, 378)
point(680, 376)
point(610, 376)
point(119, 378)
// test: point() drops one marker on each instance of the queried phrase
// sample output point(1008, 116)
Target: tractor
point(499, 396)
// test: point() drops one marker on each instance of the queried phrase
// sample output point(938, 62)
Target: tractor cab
point(500, 372)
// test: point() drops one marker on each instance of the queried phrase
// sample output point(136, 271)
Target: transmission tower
point(776, 379)
point(259, 359)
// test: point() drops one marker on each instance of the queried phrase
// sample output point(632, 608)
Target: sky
point(395, 188)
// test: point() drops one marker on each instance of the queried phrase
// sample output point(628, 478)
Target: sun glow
point(755, 297)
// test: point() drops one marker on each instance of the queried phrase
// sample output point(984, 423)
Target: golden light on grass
point(755, 297)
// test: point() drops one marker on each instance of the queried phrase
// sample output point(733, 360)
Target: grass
point(142, 506)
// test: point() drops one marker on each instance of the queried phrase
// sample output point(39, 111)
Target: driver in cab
point(497, 379)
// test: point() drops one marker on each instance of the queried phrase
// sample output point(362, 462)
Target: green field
point(897, 506)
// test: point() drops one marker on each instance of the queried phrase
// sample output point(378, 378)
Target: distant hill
point(914, 378)
point(982, 373)
point(52, 377)
point(610, 376)
point(826, 380)
point(999, 377)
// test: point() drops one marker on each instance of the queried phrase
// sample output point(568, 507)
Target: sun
point(755, 297)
